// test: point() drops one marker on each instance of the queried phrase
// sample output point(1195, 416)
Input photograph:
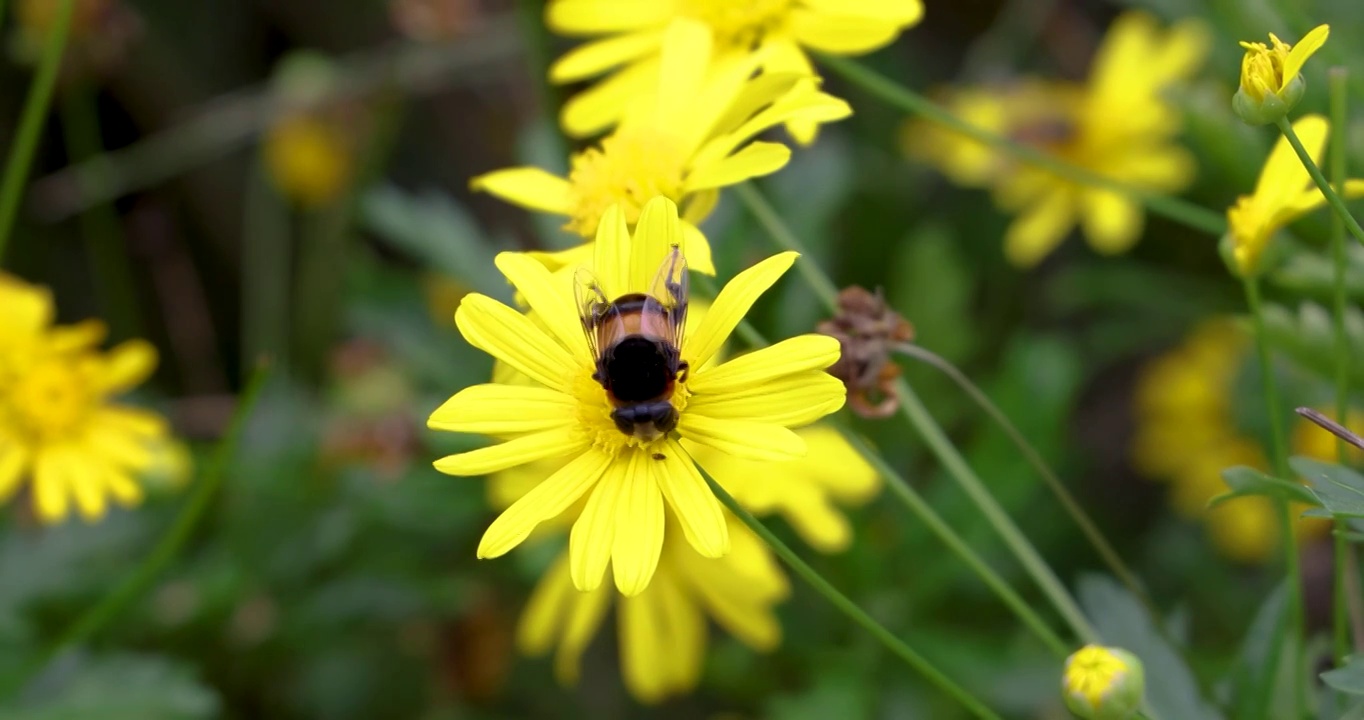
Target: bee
point(636, 341)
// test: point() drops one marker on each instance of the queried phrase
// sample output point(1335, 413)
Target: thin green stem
point(921, 509)
point(31, 122)
point(849, 608)
point(767, 217)
point(1337, 79)
point(267, 260)
point(1072, 506)
point(104, 240)
point(530, 14)
point(1291, 625)
point(169, 547)
point(897, 95)
point(1332, 197)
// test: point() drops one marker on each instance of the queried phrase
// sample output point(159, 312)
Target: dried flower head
point(867, 330)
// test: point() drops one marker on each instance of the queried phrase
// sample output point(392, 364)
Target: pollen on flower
point(1092, 671)
point(737, 23)
point(48, 402)
point(629, 168)
point(594, 415)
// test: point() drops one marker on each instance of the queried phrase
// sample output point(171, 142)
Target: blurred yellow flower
point(777, 32)
point(1312, 441)
point(1119, 125)
point(661, 631)
point(684, 143)
point(1284, 193)
point(1187, 435)
point(1101, 683)
point(308, 158)
point(1271, 83)
point(742, 407)
point(57, 424)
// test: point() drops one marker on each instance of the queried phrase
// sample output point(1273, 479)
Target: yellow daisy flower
point(777, 31)
point(1117, 125)
point(662, 631)
point(308, 159)
point(684, 143)
point(57, 424)
point(1271, 83)
point(1284, 193)
point(743, 407)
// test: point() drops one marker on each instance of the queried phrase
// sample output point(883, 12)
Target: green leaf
point(1340, 489)
point(1122, 621)
point(1309, 339)
point(1245, 481)
point(1247, 678)
point(1348, 679)
point(1313, 273)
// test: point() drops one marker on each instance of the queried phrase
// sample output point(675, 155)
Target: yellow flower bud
point(1103, 683)
point(1271, 79)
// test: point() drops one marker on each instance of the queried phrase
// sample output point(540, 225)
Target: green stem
point(530, 14)
point(169, 547)
point(921, 509)
point(1072, 506)
point(267, 259)
point(1291, 625)
point(897, 95)
point(105, 243)
point(932, 434)
point(1337, 78)
point(849, 608)
point(31, 122)
point(1332, 198)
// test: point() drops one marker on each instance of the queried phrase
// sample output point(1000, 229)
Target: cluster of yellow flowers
point(58, 428)
point(692, 83)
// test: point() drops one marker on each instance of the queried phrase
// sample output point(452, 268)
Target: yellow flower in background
point(1271, 80)
point(743, 407)
point(777, 31)
point(1119, 124)
point(308, 159)
point(1102, 683)
point(1284, 193)
point(58, 426)
point(662, 631)
point(684, 143)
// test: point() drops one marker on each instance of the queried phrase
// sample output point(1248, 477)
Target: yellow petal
point(749, 97)
point(544, 502)
point(754, 160)
point(136, 422)
point(733, 302)
point(1034, 234)
point(585, 615)
point(594, 58)
point(1306, 47)
point(739, 613)
point(595, 17)
point(127, 366)
point(13, 463)
point(529, 187)
point(900, 12)
point(644, 648)
point(550, 296)
point(27, 308)
point(696, 509)
point(788, 401)
point(696, 249)
point(123, 488)
point(1111, 221)
point(1283, 176)
point(590, 541)
point(80, 336)
point(799, 354)
point(799, 104)
point(611, 253)
point(512, 338)
point(656, 233)
point(87, 485)
point(837, 466)
point(841, 34)
point(50, 492)
point(684, 61)
point(743, 438)
point(553, 443)
point(495, 409)
point(601, 106)
point(639, 528)
point(119, 448)
point(685, 625)
point(546, 611)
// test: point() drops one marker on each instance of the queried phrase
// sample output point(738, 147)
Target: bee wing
point(593, 308)
point(669, 293)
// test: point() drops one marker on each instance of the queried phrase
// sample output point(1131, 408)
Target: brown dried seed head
point(867, 329)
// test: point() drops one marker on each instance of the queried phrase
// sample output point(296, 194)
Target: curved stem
point(1332, 198)
point(25, 143)
point(1340, 620)
point(849, 608)
point(135, 584)
point(897, 95)
point(1072, 506)
point(1290, 627)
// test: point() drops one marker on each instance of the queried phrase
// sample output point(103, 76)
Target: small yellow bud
point(1271, 79)
point(1102, 683)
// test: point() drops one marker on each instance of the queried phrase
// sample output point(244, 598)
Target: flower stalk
point(1332, 197)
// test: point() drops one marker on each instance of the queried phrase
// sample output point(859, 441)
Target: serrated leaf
point(1245, 481)
point(1348, 679)
point(1122, 621)
point(1340, 489)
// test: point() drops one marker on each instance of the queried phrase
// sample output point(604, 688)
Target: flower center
point(629, 168)
point(50, 400)
point(594, 414)
point(738, 23)
point(1092, 671)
